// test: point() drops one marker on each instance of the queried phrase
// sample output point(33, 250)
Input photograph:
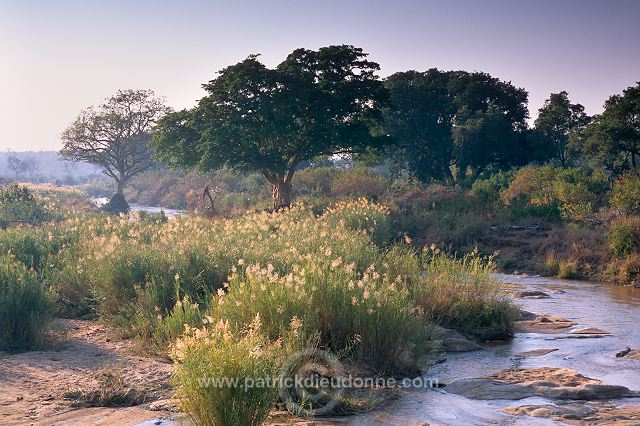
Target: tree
point(254, 118)
point(16, 165)
point(30, 165)
point(613, 138)
point(559, 121)
point(419, 120)
point(440, 119)
point(114, 136)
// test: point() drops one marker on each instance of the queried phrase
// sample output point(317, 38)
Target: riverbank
point(584, 305)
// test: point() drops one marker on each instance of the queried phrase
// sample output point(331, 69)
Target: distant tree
point(560, 121)
point(253, 118)
point(30, 165)
point(114, 136)
point(613, 138)
point(16, 165)
point(440, 119)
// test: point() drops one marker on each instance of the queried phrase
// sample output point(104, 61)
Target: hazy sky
point(60, 56)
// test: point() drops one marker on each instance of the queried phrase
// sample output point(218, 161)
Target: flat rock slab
point(536, 352)
point(546, 382)
point(579, 414)
point(533, 294)
point(591, 330)
point(459, 345)
point(629, 354)
point(545, 324)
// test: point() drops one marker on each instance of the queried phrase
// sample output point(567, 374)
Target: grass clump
point(206, 358)
point(25, 307)
point(460, 293)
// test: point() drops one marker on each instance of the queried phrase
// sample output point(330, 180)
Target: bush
point(315, 181)
point(629, 269)
point(625, 196)
point(487, 189)
point(359, 182)
point(623, 236)
point(25, 307)
point(554, 193)
point(19, 205)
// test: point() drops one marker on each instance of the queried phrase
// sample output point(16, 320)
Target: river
point(615, 309)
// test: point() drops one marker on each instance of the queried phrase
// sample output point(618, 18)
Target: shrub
point(315, 181)
point(554, 193)
point(629, 269)
point(359, 182)
point(623, 236)
point(25, 306)
point(19, 205)
point(625, 196)
point(487, 189)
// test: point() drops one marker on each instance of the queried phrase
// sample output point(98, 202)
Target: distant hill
point(49, 166)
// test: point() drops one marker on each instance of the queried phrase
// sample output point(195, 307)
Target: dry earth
point(49, 387)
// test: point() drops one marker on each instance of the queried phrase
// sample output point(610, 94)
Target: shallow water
point(612, 308)
point(170, 213)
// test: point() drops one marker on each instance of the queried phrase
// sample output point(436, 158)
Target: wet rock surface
point(591, 413)
point(536, 352)
point(452, 341)
point(629, 354)
point(532, 294)
point(554, 383)
point(547, 324)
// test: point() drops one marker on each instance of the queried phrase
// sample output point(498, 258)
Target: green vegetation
point(439, 175)
point(25, 307)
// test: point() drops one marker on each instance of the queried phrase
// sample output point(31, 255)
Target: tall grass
point(25, 307)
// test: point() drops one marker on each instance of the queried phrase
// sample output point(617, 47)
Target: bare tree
point(114, 135)
point(16, 165)
point(30, 166)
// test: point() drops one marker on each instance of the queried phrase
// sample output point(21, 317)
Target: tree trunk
point(120, 186)
point(282, 189)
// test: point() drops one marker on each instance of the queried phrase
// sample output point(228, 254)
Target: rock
point(592, 413)
point(446, 333)
point(546, 382)
point(543, 324)
point(454, 344)
point(532, 294)
point(536, 352)
point(164, 405)
point(623, 353)
point(591, 330)
point(486, 389)
point(629, 354)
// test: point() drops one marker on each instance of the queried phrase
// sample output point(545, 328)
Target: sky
point(58, 57)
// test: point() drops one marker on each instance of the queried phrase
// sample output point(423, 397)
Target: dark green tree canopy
point(255, 118)
point(443, 118)
point(561, 122)
point(613, 138)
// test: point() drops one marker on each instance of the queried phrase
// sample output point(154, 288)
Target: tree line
point(434, 125)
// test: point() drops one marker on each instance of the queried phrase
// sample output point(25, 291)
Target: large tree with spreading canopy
point(255, 118)
point(115, 135)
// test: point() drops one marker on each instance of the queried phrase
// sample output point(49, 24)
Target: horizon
point(69, 55)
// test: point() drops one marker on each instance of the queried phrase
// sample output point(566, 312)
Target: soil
point(49, 386)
